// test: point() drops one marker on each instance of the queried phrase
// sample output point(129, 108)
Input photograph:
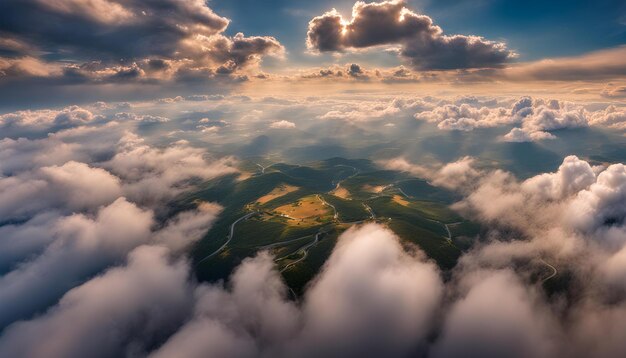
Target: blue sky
point(535, 28)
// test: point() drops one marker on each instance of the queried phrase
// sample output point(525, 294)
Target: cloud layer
point(92, 242)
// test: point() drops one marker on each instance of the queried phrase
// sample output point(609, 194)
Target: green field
point(416, 211)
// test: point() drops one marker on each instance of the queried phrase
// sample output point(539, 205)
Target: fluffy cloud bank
point(391, 23)
point(535, 118)
point(72, 205)
point(128, 292)
point(336, 319)
point(88, 266)
point(569, 223)
point(145, 300)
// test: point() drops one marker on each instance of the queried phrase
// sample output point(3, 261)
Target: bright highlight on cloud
point(131, 41)
point(421, 43)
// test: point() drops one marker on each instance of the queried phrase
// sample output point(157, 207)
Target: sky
point(536, 29)
point(83, 51)
point(113, 113)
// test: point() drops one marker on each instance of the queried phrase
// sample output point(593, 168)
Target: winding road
point(356, 171)
point(304, 249)
point(281, 243)
point(369, 210)
point(336, 215)
point(554, 271)
point(230, 236)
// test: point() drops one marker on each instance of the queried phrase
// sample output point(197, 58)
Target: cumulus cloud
point(420, 42)
point(118, 313)
point(572, 218)
point(254, 314)
point(89, 244)
point(368, 110)
point(612, 117)
point(392, 318)
point(68, 215)
point(72, 186)
point(126, 42)
point(127, 309)
point(22, 122)
point(518, 135)
point(151, 174)
point(82, 246)
point(451, 175)
point(254, 318)
point(537, 117)
point(497, 316)
point(283, 124)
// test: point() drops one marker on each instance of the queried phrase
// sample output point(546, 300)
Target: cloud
point(89, 244)
point(72, 186)
point(375, 295)
point(355, 70)
point(117, 29)
point(453, 175)
point(254, 318)
point(283, 124)
point(22, 122)
point(421, 43)
point(254, 314)
point(614, 91)
point(602, 204)
point(537, 117)
point(370, 110)
point(497, 316)
point(72, 205)
point(124, 42)
point(20, 241)
point(392, 318)
point(151, 174)
point(402, 164)
point(129, 308)
point(120, 312)
point(612, 117)
point(598, 65)
point(518, 135)
point(572, 218)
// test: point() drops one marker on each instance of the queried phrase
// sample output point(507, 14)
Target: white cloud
point(118, 313)
point(282, 124)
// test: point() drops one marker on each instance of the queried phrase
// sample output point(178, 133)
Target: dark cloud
point(391, 23)
point(355, 70)
point(78, 42)
point(110, 29)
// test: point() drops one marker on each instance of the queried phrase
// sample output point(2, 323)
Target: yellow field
point(279, 191)
point(244, 175)
point(400, 200)
point(373, 189)
point(341, 192)
point(305, 210)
